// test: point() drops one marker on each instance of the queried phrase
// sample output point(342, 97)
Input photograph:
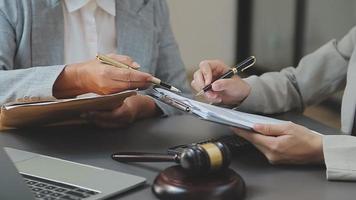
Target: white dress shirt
point(89, 28)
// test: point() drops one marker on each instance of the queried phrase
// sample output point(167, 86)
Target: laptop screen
point(12, 185)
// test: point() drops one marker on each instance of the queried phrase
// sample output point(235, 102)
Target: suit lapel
point(136, 31)
point(47, 32)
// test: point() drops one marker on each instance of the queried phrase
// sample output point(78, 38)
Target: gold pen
point(109, 61)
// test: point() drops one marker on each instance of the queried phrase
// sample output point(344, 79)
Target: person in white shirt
point(318, 75)
point(48, 51)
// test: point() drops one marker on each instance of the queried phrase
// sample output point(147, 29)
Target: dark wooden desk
point(264, 181)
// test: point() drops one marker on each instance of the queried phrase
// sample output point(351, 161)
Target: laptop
point(50, 178)
point(12, 185)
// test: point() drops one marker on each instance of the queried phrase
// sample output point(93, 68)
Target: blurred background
point(277, 32)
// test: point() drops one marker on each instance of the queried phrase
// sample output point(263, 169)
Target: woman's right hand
point(231, 91)
point(95, 77)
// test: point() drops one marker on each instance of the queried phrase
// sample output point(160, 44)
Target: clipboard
point(211, 113)
point(57, 112)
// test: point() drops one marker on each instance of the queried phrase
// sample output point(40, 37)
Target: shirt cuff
point(339, 155)
point(42, 85)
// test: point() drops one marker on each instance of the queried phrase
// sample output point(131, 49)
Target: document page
point(228, 116)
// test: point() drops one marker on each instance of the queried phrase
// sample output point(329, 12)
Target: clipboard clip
point(178, 104)
point(170, 101)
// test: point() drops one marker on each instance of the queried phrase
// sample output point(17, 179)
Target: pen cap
point(245, 64)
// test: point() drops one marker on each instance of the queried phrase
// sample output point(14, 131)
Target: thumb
point(271, 129)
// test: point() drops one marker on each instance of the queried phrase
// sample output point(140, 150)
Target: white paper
point(211, 112)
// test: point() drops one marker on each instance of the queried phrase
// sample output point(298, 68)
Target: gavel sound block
point(175, 183)
point(202, 173)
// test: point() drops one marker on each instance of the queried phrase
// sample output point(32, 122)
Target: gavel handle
point(143, 157)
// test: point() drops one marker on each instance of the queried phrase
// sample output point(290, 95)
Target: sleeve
point(317, 76)
point(170, 67)
point(339, 155)
point(33, 83)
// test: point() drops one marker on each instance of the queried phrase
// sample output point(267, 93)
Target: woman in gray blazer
point(318, 75)
point(32, 55)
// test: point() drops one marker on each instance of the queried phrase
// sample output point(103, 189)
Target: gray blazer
point(32, 45)
point(317, 76)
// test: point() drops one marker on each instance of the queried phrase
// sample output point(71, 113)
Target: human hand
point(133, 108)
point(95, 77)
point(287, 143)
point(231, 91)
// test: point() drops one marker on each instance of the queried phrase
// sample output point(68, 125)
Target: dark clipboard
point(186, 108)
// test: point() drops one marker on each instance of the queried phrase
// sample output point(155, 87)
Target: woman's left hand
point(287, 143)
point(133, 108)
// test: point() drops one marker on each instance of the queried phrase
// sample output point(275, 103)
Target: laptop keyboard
point(45, 189)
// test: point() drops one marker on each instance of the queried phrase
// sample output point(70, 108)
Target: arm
point(21, 84)
point(169, 68)
point(317, 76)
point(294, 144)
point(339, 155)
point(50, 82)
point(332, 60)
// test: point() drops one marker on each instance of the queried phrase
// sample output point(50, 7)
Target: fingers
point(216, 68)
point(125, 59)
point(198, 81)
point(120, 114)
point(119, 117)
point(224, 84)
point(254, 138)
point(129, 79)
point(95, 77)
point(266, 144)
point(213, 97)
point(134, 78)
point(206, 71)
point(273, 129)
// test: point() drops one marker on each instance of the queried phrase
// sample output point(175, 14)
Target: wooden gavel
point(196, 158)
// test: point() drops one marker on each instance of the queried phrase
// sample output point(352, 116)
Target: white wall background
point(326, 20)
point(273, 32)
point(204, 29)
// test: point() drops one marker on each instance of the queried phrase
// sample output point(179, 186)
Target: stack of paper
point(218, 114)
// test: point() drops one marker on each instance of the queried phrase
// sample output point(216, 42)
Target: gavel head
point(205, 158)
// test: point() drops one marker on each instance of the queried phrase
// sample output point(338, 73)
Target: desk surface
point(94, 146)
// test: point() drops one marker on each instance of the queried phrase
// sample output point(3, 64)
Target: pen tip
point(175, 89)
point(200, 93)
